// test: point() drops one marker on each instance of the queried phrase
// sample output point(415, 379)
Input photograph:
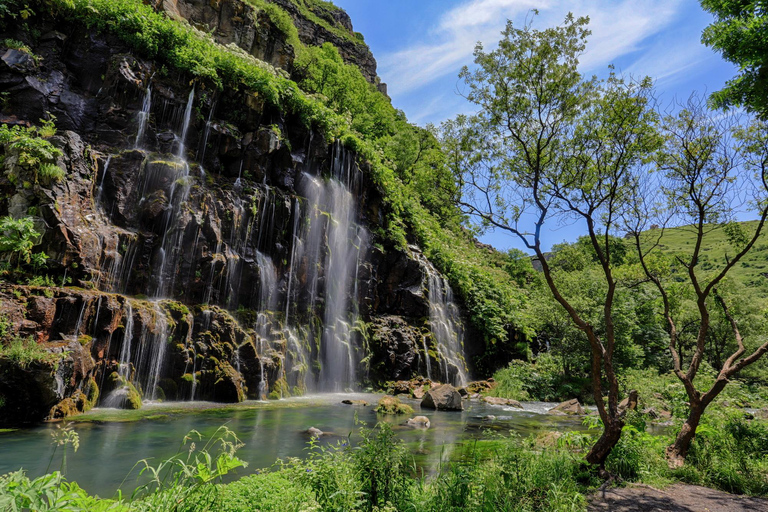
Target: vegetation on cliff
point(406, 162)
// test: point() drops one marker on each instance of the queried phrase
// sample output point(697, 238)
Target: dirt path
point(679, 497)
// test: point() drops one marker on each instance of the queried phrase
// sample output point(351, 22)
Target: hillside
point(751, 271)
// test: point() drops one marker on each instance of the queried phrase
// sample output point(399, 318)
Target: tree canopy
point(740, 34)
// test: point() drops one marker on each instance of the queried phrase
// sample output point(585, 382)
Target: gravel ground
point(682, 498)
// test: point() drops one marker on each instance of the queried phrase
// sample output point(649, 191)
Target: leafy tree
point(548, 145)
point(709, 168)
point(739, 34)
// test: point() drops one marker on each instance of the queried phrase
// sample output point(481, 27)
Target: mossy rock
point(133, 399)
point(280, 389)
point(169, 388)
point(393, 405)
point(92, 393)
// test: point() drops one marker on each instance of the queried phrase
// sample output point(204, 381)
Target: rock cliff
point(203, 244)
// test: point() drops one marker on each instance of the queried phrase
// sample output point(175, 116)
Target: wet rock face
point(204, 264)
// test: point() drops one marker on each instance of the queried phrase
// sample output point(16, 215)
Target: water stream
point(272, 430)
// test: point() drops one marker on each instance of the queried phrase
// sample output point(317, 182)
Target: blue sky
point(421, 45)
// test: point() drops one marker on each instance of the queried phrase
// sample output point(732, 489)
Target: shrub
point(24, 352)
point(268, 492)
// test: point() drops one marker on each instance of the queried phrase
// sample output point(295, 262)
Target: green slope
point(751, 271)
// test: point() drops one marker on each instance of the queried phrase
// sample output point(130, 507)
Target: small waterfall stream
point(146, 107)
point(448, 333)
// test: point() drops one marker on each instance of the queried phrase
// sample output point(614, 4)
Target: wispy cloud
point(619, 28)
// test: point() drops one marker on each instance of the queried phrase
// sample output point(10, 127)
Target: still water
point(109, 450)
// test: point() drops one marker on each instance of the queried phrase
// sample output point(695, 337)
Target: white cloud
point(619, 28)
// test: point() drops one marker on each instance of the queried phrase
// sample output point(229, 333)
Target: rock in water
point(314, 432)
point(355, 402)
point(443, 398)
point(418, 422)
point(494, 400)
point(569, 407)
point(392, 405)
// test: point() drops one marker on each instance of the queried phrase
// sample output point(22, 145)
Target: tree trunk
point(600, 451)
point(678, 450)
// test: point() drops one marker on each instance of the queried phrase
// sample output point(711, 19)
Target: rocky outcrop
point(443, 398)
point(569, 407)
point(240, 23)
point(236, 22)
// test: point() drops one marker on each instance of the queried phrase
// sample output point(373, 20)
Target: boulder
point(443, 398)
point(569, 407)
point(495, 400)
point(393, 405)
point(314, 432)
point(418, 422)
point(629, 403)
point(419, 392)
point(355, 402)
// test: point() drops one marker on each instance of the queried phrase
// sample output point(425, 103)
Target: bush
point(514, 478)
point(730, 454)
point(268, 492)
point(24, 352)
point(543, 380)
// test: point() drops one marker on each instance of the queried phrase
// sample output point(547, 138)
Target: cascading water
point(267, 303)
point(149, 352)
point(329, 247)
point(447, 330)
point(170, 248)
point(124, 363)
point(146, 107)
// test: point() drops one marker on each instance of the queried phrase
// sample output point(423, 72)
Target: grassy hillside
point(751, 271)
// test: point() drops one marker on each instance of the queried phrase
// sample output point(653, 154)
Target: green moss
point(281, 389)
point(133, 399)
point(92, 394)
point(393, 405)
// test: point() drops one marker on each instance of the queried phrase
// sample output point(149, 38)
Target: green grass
point(24, 352)
point(751, 271)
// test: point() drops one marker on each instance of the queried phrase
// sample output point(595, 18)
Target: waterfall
point(446, 326)
point(206, 134)
point(100, 190)
point(143, 116)
point(426, 357)
point(185, 125)
point(124, 363)
point(170, 248)
point(150, 352)
point(329, 247)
